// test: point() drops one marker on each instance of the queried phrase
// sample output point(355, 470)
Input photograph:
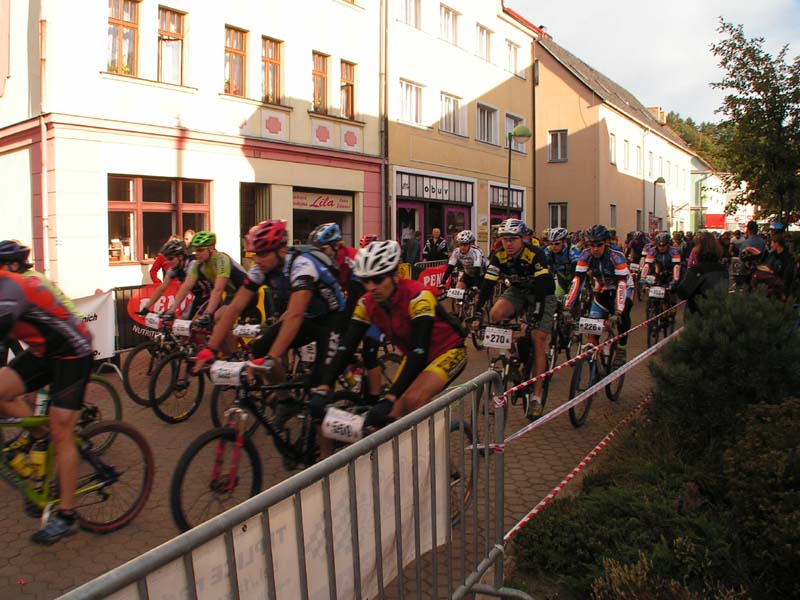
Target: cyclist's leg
point(11, 389)
point(437, 375)
point(510, 303)
point(541, 323)
point(600, 310)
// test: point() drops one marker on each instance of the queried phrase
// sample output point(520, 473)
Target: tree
point(707, 139)
point(761, 110)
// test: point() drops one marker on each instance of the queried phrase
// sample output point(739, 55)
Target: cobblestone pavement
point(535, 464)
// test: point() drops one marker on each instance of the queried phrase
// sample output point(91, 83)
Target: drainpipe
point(43, 140)
point(645, 219)
point(384, 121)
point(533, 130)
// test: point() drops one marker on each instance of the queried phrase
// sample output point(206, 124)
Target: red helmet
point(366, 239)
point(267, 235)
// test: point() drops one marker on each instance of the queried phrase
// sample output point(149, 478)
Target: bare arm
point(225, 324)
point(216, 295)
point(291, 321)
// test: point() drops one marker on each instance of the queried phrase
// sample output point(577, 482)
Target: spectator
point(736, 242)
point(777, 270)
point(411, 248)
point(752, 241)
point(435, 247)
point(161, 263)
point(187, 237)
point(705, 274)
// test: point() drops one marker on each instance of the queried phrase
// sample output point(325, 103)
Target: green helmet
point(203, 239)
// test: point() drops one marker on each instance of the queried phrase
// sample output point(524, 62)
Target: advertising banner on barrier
point(140, 298)
point(99, 316)
point(432, 276)
point(211, 560)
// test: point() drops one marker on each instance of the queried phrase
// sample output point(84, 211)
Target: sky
point(659, 51)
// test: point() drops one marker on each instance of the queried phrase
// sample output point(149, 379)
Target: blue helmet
point(325, 234)
point(513, 227)
point(12, 251)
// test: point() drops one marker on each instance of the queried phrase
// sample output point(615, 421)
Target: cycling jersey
point(31, 312)
point(667, 265)
point(219, 265)
point(527, 270)
point(562, 264)
point(609, 272)
point(472, 262)
point(345, 264)
point(203, 286)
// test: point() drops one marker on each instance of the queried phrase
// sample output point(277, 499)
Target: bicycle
point(594, 367)
point(659, 300)
point(114, 480)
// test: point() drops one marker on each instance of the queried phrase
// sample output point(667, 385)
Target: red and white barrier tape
point(581, 465)
point(575, 359)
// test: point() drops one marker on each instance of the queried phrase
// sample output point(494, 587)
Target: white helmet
point(465, 237)
point(557, 234)
point(511, 227)
point(377, 258)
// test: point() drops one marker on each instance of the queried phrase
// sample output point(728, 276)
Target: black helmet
point(173, 248)
point(662, 239)
point(12, 251)
point(598, 233)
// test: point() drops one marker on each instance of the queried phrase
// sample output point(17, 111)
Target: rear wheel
point(553, 350)
point(137, 369)
point(100, 403)
point(175, 391)
point(653, 327)
point(583, 377)
point(613, 389)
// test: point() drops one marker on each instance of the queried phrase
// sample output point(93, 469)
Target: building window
point(612, 148)
point(448, 24)
point(612, 217)
point(557, 212)
point(271, 70)
point(558, 146)
point(144, 212)
point(348, 90)
point(626, 155)
point(170, 46)
point(650, 164)
point(639, 221)
point(123, 32)
point(487, 124)
point(320, 77)
point(498, 198)
point(660, 166)
point(449, 120)
point(511, 122)
point(669, 171)
point(411, 102)
point(235, 60)
point(410, 12)
point(512, 57)
point(638, 160)
point(484, 39)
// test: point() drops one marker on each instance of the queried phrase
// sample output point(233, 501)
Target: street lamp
point(657, 181)
point(520, 134)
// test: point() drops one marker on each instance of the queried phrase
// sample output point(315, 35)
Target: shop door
point(456, 219)
point(410, 218)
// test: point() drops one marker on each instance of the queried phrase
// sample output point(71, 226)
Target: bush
point(742, 349)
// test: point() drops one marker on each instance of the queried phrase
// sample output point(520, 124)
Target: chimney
point(658, 114)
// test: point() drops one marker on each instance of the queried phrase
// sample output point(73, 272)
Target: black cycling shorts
point(67, 377)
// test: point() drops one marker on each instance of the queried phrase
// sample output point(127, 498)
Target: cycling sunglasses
point(375, 279)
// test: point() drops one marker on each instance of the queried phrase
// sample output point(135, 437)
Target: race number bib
point(494, 337)
point(650, 279)
point(152, 320)
point(181, 327)
point(226, 373)
point(341, 425)
point(589, 326)
point(308, 353)
point(249, 331)
point(455, 293)
point(634, 267)
point(657, 292)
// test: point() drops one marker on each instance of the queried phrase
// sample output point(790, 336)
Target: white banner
point(100, 317)
point(210, 560)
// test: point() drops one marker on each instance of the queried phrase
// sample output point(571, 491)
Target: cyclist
point(531, 292)
point(468, 259)
point(562, 257)
point(413, 321)
point(610, 275)
point(179, 262)
point(58, 354)
point(367, 239)
point(664, 261)
point(223, 274)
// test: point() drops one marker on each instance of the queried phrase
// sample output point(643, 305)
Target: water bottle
point(42, 401)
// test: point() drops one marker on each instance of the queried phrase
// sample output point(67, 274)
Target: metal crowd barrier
point(421, 266)
point(381, 518)
point(126, 337)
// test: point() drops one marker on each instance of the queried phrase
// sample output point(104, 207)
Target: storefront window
point(313, 208)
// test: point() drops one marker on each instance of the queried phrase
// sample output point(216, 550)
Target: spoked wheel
point(462, 457)
point(584, 375)
point(137, 369)
point(553, 350)
point(121, 476)
point(224, 397)
point(653, 328)
point(613, 389)
point(207, 481)
point(100, 403)
point(175, 391)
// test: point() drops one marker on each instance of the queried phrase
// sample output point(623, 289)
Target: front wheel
point(113, 484)
point(553, 350)
point(137, 369)
point(212, 476)
point(614, 389)
point(583, 377)
point(175, 392)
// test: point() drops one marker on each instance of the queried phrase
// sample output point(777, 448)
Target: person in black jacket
point(435, 247)
point(779, 263)
point(705, 274)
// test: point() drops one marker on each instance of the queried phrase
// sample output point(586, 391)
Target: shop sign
point(312, 201)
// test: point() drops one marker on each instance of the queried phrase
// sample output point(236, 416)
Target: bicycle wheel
point(175, 391)
point(583, 377)
point(137, 369)
point(390, 364)
point(113, 484)
point(553, 350)
point(100, 403)
point(222, 398)
point(613, 389)
point(207, 482)
point(653, 328)
point(460, 462)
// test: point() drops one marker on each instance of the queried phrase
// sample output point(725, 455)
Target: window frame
point(410, 13)
point(512, 58)
point(626, 155)
point(450, 34)
point(612, 148)
point(139, 207)
point(166, 35)
point(454, 114)
point(639, 166)
point(561, 219)
point(416, 89)
point(319, 79)
point(563, 144)
point(516, 120)
point(483, 45)
point(612, 215)
point(230, 52)
point(119, 24)
point(267, 62)
point(494, 113)
point(348, 89)
point(650, 164)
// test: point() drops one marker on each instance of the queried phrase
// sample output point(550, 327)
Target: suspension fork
point(237, 419)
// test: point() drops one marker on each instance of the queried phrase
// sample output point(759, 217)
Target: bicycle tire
point(175, 392)
point(583, 368)
point(137, 369)
point(614, 389)
point(124, 470)
point(462, 486)
point(190, 481)
point(223, 398)
point(389, 364)
point(553, 350)
point(101, 403)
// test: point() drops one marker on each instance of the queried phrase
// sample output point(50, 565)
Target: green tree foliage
point(707, 139)
point(762, 108)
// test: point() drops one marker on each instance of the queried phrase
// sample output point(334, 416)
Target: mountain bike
point(659, 300)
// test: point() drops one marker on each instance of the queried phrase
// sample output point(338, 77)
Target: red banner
point(140, 298)
point(432, 276)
